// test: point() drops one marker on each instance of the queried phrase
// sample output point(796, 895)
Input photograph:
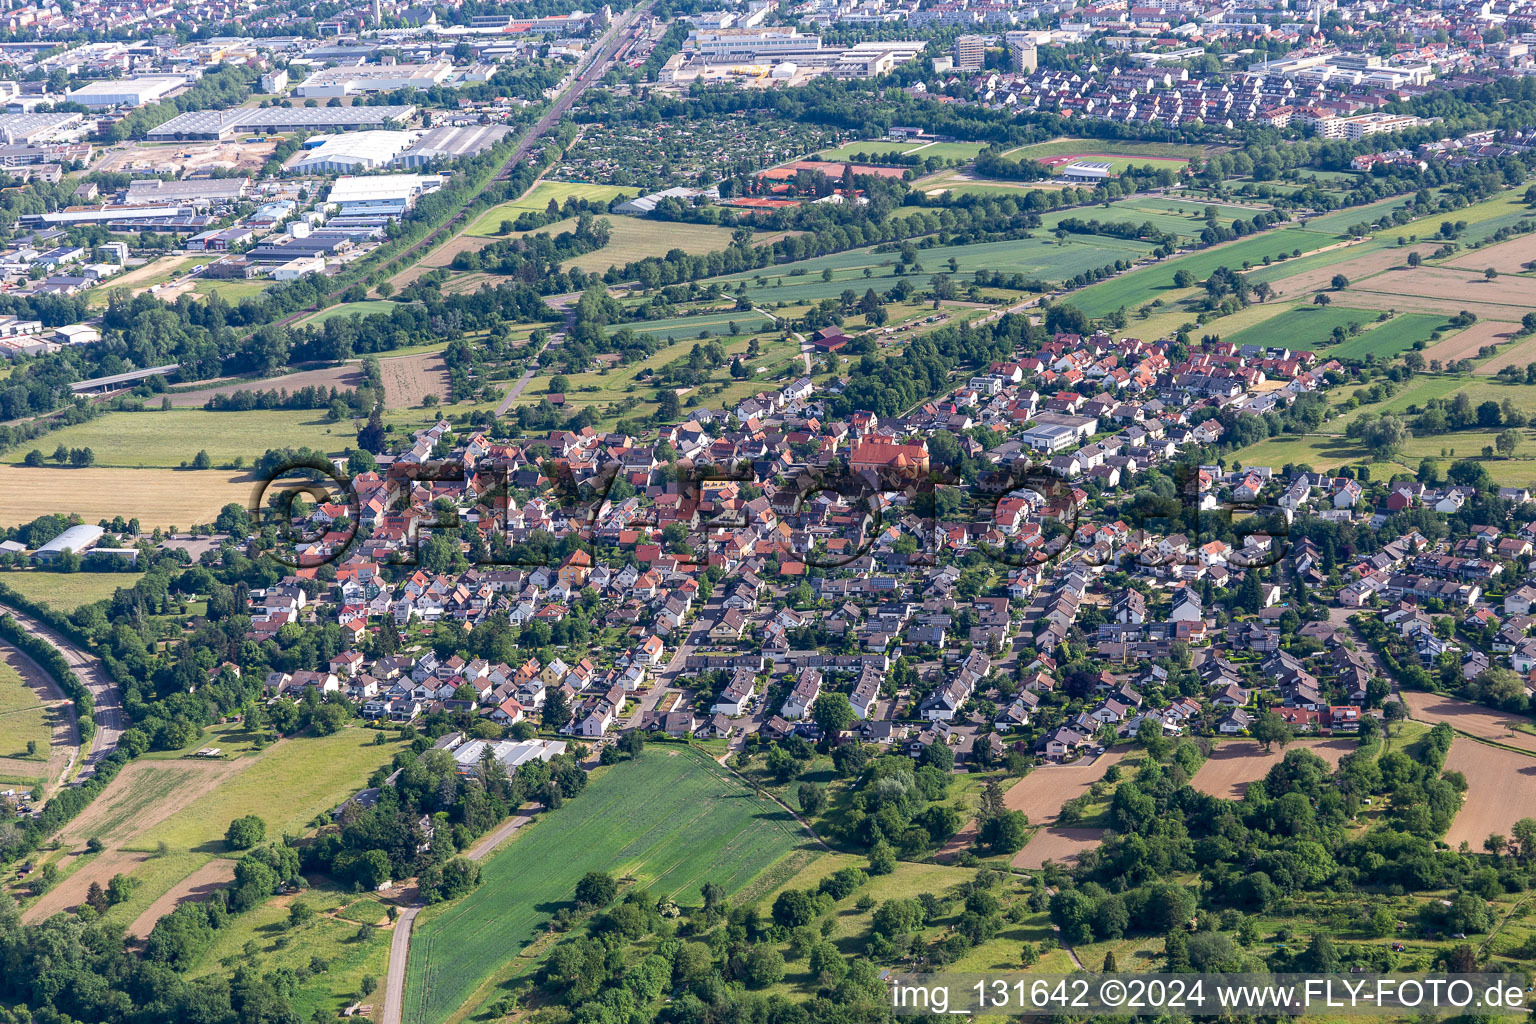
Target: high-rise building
point(378, 15)
point(1022, 57)
point(970, 53)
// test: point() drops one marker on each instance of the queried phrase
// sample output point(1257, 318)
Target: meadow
point(1148, 283)
point(25, 719)
point(165, 439)
point(264, 938)
point(366, 307)
point(1177, 216)
point(682, 328)
point(186, 804)
point(67, 591)
point(1042, 258)
point(488, 224)
point(634, 238)
point(669, 822)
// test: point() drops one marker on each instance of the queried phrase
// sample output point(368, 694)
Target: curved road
point(105, 692)
point(400, 942)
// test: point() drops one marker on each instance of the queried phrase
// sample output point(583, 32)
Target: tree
point(832, 712)
point(1004, 832)
point(1396, 712)
point(1183, 279)
point(201, 460)
point(244, 833)
point(1270, 729)
point(1321, 299)
point(1414, 259)
point(596, 889)
point(1507, 442)
point(557, 710)
point(632, 742)
point(794, 908)
point(882, 859)
point(1490, 274)
point(1339, 282)
point(762, 966)
point(812, 798)
point(1524, 832)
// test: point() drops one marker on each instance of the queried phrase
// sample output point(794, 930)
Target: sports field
point(670, 822)
point(164, 439)
point(1148, 283)
point(363, 308)
point(489, 223)
point(1133, 153)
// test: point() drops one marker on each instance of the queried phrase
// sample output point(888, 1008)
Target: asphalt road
point(400, 942)
point(108, 698)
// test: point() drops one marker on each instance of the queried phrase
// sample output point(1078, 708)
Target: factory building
point(353, 151)
point(125, 92)
point(365, 78)
point(387, 195)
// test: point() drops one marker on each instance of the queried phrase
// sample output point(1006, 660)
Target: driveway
point(400, 942)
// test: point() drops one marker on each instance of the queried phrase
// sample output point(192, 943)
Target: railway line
point(619, 38)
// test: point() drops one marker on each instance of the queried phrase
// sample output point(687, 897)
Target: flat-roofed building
point(195, 191)
point(125, 92)
point(222, 124)
point(442, 144)
point(366, 78)
point(78, 539)
point(750, 43)
point(387, 195)
point(353, 151)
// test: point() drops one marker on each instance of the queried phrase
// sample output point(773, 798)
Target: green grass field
point(367, 307)
point(1144, 285)
point(1072, 147)
point(1040, 257)
point(167, 438)
point(671, 822)
point(634, 238)
point(874, 147)
point(1301, 327)
point(67, 591)
point(231, 291)
point(22, 719)
point(682, 328)
point(1177, 216)
point(1399, 334)
point(488, 224)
